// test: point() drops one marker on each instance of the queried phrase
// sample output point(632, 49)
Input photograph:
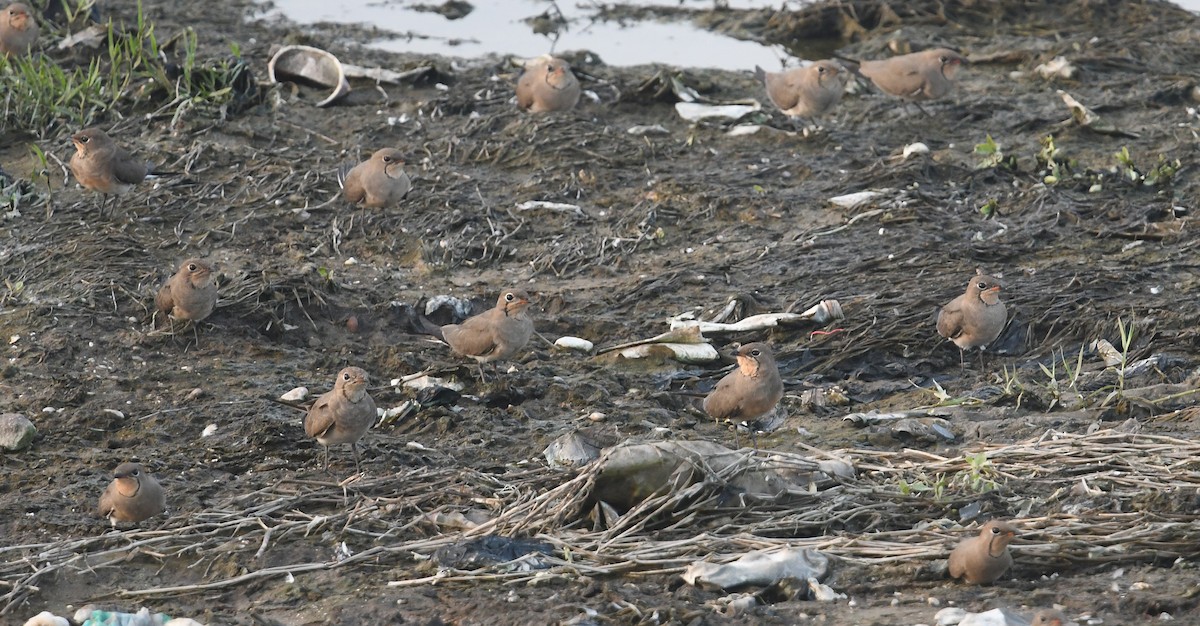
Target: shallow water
point(501, 27)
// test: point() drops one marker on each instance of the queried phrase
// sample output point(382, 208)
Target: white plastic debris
point(641, 131)
point(682, 352)
point(208, 430)
point(1058, 67)
point(574, 343)
point(421, 381)
point(295, 395)
point(950, 616)
point(824, 593)
point(550, 206)
point(915, 148)
point(823, 311)
point(46, 618)
point(695, 111)
point(758, 568)
point(854, 200)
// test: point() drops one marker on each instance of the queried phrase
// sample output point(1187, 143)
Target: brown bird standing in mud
point(342, 415)
point(101, 165)
point(191, 294)
point(984, 558)
point(750, 391)
point(805, 92)
point(377, 182)
point(494, 335)
point(974, 319)
point(547, 84)
point(18, 30)
point(919, 76)
point(132, 496)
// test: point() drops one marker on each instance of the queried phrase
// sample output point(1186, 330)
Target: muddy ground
point(669, 223)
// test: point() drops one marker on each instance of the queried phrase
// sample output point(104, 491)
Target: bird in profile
point(18, 30)
point(377, 182)
point(916, 77)
point(190, 294)
point(547, 84)
point(494, 335)
point(132, 496)
point(103, 166)
point(750, 391)
point(805, 92)
point(342, 415)
point(984, 558)
point(975, 318)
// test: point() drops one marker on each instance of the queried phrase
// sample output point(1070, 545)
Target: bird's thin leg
point(325, 456)
point(922, 109)
point(962, 359)
point(482, 378)
point(354, 449)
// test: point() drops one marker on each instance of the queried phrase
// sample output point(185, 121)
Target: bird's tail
point(416, 322)
point(760, 74)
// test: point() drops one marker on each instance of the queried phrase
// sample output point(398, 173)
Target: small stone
point(295, 395)
point(16, 432)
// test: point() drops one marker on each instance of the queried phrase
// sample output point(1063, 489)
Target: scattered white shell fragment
point(656, 129)
point(695, 111)
point(115, 413)
point(1058, 67)
point(915, 148)
point(350, 261)
point(597, 416)
point(852, 200)
point(574, 343)
point(415, 446)
point(14, 339)
point(295, 395)
point(208, 430)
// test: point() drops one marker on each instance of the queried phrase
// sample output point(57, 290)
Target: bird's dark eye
point(134, 473)
point(508, 297)
point(387, 159)
point(346, 376)
point(820, 70)
point(191, 267)
point(756, 353)
point(983, 285)
point(995, 530)
point(84, 139)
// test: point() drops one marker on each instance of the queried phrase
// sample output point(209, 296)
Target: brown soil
point(670, 223)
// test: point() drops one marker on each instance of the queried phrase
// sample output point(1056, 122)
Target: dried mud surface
point(670, 223)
